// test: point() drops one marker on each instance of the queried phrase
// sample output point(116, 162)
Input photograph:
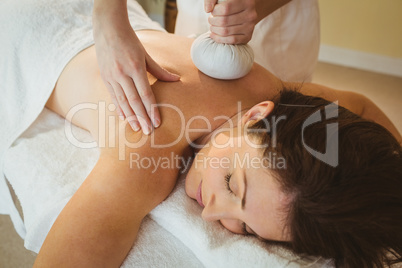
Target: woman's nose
point(213, 210)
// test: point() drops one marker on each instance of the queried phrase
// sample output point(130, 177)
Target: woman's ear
point(258, 112)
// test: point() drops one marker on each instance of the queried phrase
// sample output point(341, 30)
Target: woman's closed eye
point(227, 181)
point(243, 225)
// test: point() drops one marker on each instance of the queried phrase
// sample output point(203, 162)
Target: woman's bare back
point(194, 95)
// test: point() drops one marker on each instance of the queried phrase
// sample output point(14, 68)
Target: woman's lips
point(199, 195)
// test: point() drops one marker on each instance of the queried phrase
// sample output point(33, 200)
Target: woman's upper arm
point(100, 222)
point(354, 102)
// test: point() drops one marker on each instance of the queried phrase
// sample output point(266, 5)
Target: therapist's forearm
point(266, 7)
point(109, 16)
point(104, 7)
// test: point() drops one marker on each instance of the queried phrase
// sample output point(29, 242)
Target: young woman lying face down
point(328, 183)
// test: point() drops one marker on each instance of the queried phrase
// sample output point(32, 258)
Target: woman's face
point(229, 179)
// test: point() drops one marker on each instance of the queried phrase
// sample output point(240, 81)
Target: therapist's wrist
point(106, 7)
point(109, 16)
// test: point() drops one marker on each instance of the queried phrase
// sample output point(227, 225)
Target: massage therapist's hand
point(232, 21)
point(124, 63)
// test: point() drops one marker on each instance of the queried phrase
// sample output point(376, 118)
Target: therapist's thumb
point(209, 5)
point(161, 73)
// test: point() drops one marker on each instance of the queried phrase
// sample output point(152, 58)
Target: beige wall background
point(371, 26)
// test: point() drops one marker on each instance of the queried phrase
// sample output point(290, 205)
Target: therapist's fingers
point(209, 5)
point(242, 29)
point(230, 7)
point(242, 18)
point(233, 21)
point(232, 39)
point(124, 105)
point(239, 34)
point(144, 103)
point(159, 72)
point(114, 99)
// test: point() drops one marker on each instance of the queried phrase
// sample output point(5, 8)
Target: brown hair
point(351, 213)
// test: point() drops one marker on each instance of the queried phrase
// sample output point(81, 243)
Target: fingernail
point(134, 126)
point(146, 130)
point(121, 117)
point(156, 123)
